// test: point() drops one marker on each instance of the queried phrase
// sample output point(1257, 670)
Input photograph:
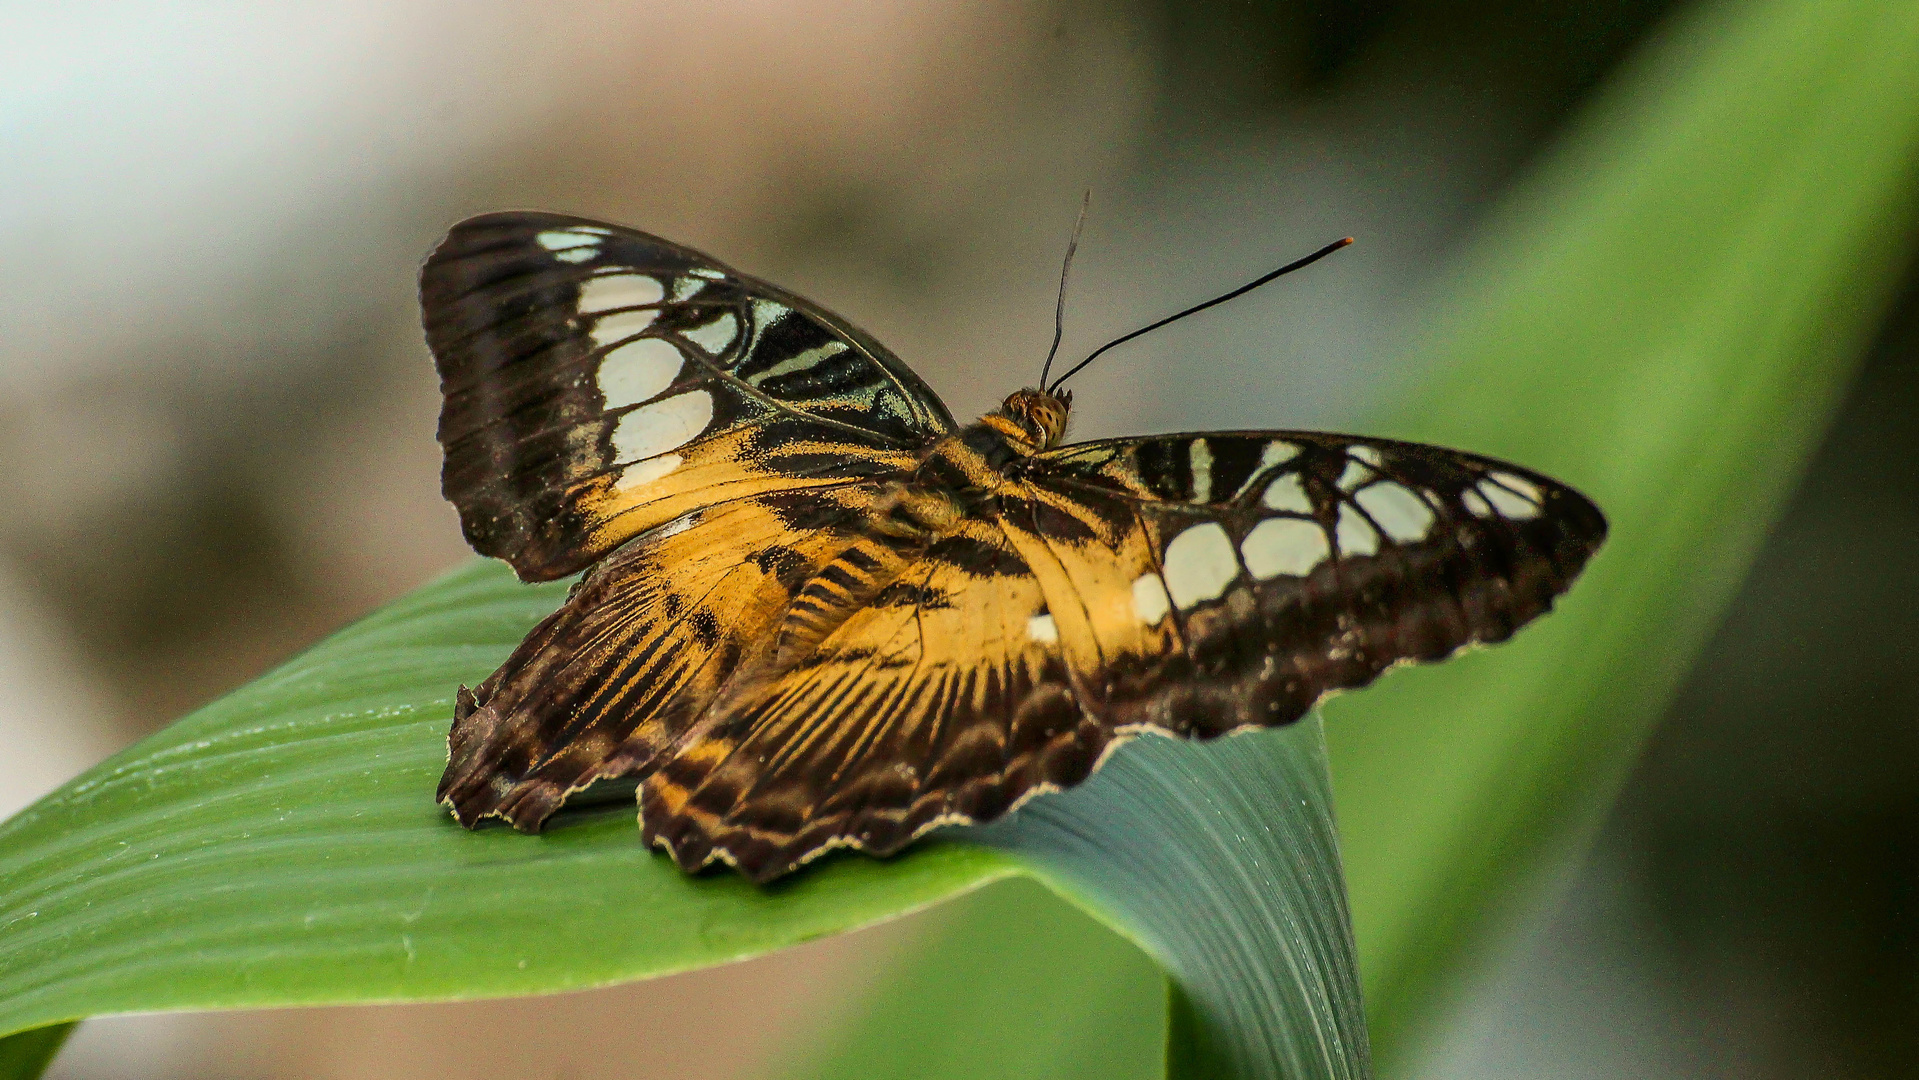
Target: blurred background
point(217, 419)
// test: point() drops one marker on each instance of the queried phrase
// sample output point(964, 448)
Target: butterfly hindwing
point(941, 699)
point(616, 679)
point(599, 382)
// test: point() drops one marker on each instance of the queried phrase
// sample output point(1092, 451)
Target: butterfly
point(816, 612)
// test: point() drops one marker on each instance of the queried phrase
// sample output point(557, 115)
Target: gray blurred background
point(217, 417)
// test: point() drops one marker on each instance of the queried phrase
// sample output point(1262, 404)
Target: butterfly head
point(1033, 417)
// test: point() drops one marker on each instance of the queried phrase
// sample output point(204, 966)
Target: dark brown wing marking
point(600, 382)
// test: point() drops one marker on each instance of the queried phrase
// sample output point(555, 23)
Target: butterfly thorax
point(961, 471)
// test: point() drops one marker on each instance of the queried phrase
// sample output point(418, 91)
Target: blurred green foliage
point(1664, 312)
point(960, 1011)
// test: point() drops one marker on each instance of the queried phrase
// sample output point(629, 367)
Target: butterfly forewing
point(599, 382)
point(1289, 565)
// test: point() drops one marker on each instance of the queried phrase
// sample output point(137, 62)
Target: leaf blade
point(24, 1055)
point(1220, 861)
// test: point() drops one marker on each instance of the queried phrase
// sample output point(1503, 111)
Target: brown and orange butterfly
point(818, 613)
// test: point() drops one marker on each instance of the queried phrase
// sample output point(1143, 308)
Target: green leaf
point(1665, 314)
point(1221, 860)
point(26, 1054)
point(282, 847)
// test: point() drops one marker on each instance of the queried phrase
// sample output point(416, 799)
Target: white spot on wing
point(638, 370)
point(642, 473)
point(1506, 502)
point(1520, 484)
point(1284, 546)
point(1200, 563)
point(1367, 454)
point(1043, 629)
point(1150, 602)
point(768, 312)
point(619, 291)
point(1403, 514)
point(1271, 455)
point(1356, 474)
point(563, 239)
point(715, 336)
point(679, 524)
point(1285, 493)
point(662, 426)
point(888, 403)
point(1276, 453)
point(1476, 503)
point(575, 255)
point(617, 327)
point(805, 361)
point(1524, 488)
point(1088, 455)
point(1356, 535)
point(684, 288)
point(1199, 459)
point(864, 396)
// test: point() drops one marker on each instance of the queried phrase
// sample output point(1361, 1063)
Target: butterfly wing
point(617, 677)
point(605, 389)
point(1187, 585)
point(1262, 571)
point(599, 382)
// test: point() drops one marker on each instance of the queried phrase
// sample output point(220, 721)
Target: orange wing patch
point(722, 467)
point(614, 680)
point(941, 700)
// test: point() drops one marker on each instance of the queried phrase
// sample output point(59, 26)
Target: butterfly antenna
point(1197, 308)
point(1059, 306)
